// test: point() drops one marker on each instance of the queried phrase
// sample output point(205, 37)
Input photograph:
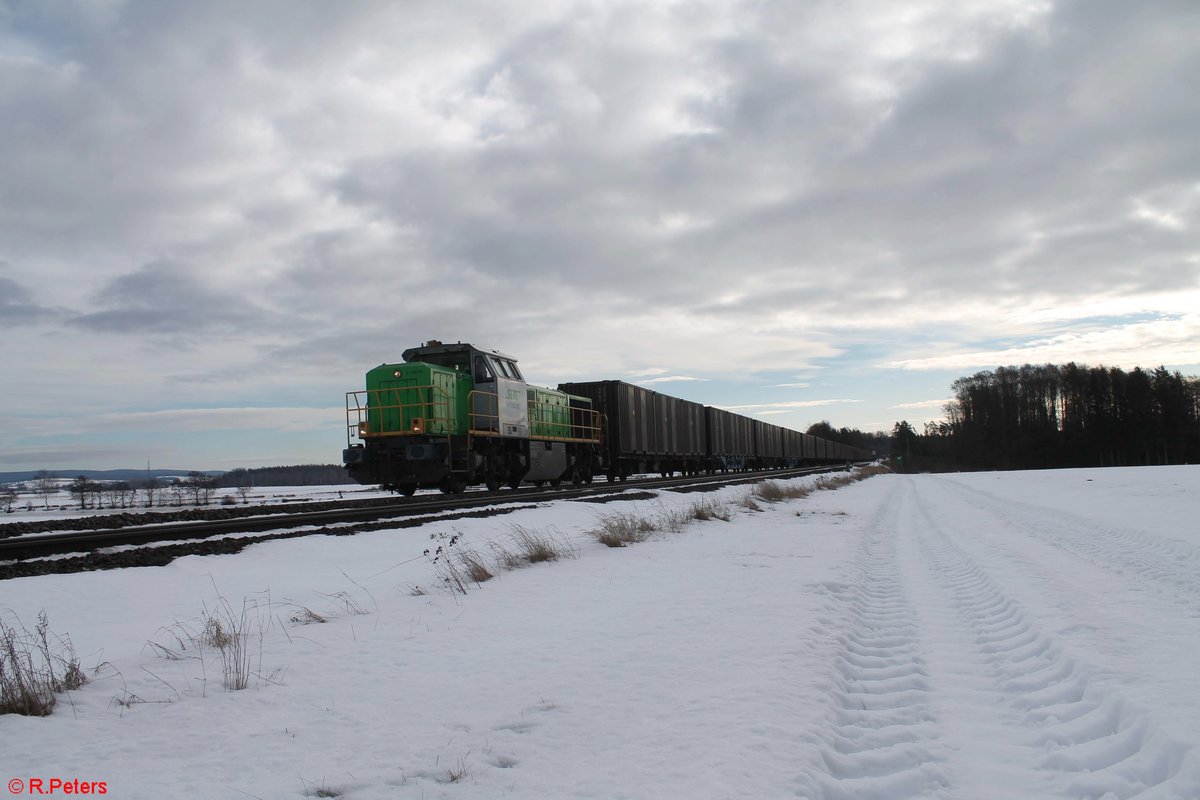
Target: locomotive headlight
point(417, 425)
point(396, 374)
point(363, 429)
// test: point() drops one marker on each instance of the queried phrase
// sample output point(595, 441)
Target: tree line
point(1070, 415)
point(877, 442)
point(298, 475)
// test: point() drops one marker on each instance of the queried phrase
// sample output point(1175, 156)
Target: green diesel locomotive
point(453, 415)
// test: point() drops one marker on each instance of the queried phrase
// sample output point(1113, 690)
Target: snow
point(31, 507)
point(988, 635)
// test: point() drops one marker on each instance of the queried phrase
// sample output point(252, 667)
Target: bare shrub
point(34, 667)
point(447, 562)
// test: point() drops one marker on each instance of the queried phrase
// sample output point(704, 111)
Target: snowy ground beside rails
point(30, 507)
point(991, 635)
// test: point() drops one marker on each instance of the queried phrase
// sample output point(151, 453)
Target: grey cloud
point(17, 306)
point(562, 177)
point(165, 298)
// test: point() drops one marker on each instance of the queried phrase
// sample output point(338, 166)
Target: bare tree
point(8, 496)
point(120, 492)
point(81, 487)
point(45, 485)
point(150, 488)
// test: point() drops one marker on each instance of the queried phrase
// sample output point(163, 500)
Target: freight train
point(454, 415)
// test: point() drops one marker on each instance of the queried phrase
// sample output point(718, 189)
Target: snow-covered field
point(991, 635)
point(31, 507)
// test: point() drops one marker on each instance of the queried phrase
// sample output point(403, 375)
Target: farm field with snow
point(986, 635)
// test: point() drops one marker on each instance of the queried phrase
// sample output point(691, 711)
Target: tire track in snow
point(1093, 743)
point(1164, 564)
point(880, 737)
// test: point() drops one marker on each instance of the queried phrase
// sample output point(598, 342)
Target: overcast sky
point(214, 217)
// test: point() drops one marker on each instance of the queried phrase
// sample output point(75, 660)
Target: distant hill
point(103, 474)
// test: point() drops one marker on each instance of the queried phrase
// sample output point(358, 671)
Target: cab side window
point(483, 373)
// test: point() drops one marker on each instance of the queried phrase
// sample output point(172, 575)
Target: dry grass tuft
point(227, 632)
point(506, 559)
point(34, 668)
point(475, 567)
point(622, 529)
point(231, 633)
point(625, 528)
point(319, 790)
point(776, 492)
point(454, 774)
point(306, 616)
point(536, 547)
point(748, 503)
point(704, 510)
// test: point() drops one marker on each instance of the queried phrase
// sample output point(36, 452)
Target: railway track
point(143, 545)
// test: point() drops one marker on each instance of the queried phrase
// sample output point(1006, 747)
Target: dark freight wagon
point(768, 444)
point(793, 448)
point(645, 431)
point(730, 439)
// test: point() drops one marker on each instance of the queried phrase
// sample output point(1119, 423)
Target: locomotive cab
point(498, 399)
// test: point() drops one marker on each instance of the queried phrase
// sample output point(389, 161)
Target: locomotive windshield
point(448, 360)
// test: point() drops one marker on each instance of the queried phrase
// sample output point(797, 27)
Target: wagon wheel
point(452, 485)
point(407, 489)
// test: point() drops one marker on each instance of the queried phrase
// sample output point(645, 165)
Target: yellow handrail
point(423, 416)
point(548, 421)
